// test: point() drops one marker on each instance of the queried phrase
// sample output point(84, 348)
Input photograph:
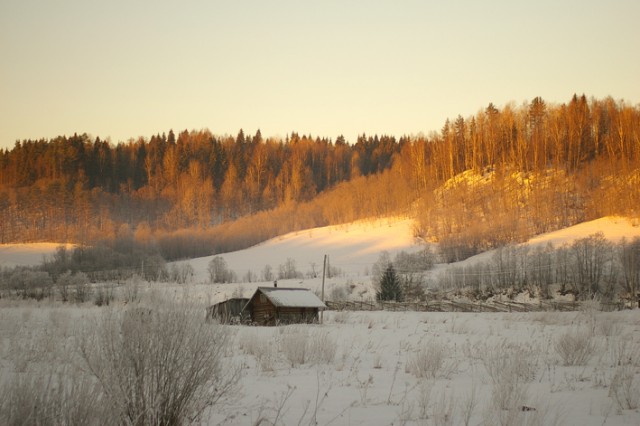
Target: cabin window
point(263, 299)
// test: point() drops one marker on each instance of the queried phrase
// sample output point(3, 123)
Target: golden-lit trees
point(230, 193)
point(537, 134)
point(544, 166)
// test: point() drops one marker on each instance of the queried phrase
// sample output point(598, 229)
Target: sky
point(123, 69)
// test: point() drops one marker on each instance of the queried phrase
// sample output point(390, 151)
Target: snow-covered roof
point(292, 297)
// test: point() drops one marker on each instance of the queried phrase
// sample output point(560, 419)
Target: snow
point(292, 297)
point(613, 228)
point(352, 248)
point(361, 366)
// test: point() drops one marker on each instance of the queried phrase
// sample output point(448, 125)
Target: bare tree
point(590, 257)
point(629, 257)
point(219, 271)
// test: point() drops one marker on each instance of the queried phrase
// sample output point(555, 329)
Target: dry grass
point(575, 347)
point(433, 359)
point(160, 366)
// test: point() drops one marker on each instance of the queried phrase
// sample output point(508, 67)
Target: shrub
point(263, 348)
point(322, 347)
point(293, 345)
point(76, 282)
point(624, 389)
point(181, 273)
point(511, 369)
point(433, 360)
point(505, 358)
point(31, 284)
point(338, 293)
point(103, 295)
point(131, 290)
point(161, 366)
point(82, 289)
point(56, 398)
point(575, 347)
point(301, 345)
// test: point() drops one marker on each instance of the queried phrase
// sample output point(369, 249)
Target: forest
point(484, 181)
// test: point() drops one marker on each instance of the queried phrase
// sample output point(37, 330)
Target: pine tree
point(390, 286)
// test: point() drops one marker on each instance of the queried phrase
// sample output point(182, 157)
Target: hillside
point(354, 248)
point(613, 229)
point(542, 167)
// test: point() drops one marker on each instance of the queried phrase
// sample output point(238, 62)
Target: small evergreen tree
point(390, 288)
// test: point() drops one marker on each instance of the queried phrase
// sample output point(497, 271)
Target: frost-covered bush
point(301, 345)
point(61, 397)
point(511, 369)
point(433, 360)
point(73, 286)
point(625, 389)
point(609, 327)
point(624, 351)
point(575, 347)
point(181, 273)
point(161, 366)
point(338, 293)
point(130, 292)
point(30, 284)
point(505, 358)
point(103, 295)
point(262, 347)
point(322, 347)
point(293, 344)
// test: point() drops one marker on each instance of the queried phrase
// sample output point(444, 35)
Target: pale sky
point(123, 69)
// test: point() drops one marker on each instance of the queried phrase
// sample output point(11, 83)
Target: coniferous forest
point(497, 177)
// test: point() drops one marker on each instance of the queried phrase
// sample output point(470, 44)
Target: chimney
point(275, 283)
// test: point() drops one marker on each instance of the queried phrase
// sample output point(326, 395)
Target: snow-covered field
point(352, 250)
point(378, 368)
point(393, 368)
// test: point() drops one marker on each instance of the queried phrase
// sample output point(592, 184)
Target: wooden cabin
point(274, 305)
point(228, 312)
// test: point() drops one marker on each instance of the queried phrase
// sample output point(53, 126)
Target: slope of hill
point(352, 249)
point(613, 229)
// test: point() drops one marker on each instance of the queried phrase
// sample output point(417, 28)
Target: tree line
point(67, 187)
point(490, 179)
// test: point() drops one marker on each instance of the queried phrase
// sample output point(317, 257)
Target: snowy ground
point(352, 250)
point(394, 368)
point(408, 368)
point(381, 368)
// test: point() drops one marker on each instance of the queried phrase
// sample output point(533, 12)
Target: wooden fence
point(451, 306)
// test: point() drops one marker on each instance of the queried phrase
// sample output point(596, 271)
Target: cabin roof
point(291, 297)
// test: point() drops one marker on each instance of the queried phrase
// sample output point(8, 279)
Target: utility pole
point(324, 270)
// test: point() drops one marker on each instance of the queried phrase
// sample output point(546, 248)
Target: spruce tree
point(390, 286)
